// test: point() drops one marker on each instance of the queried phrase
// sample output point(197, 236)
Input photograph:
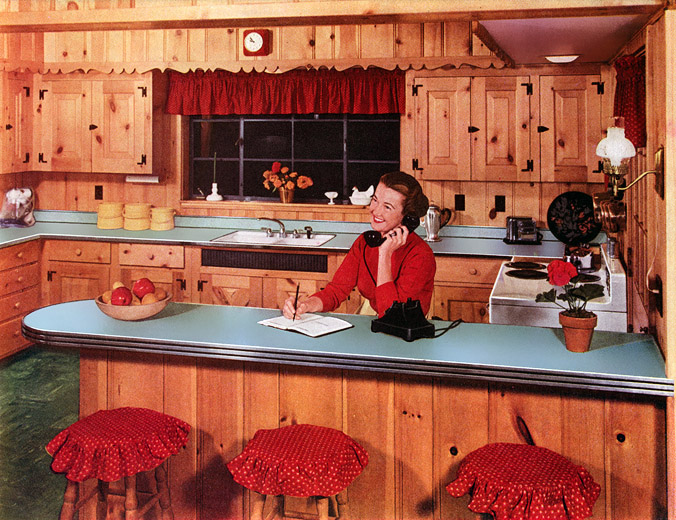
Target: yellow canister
point(161, 226)
point(110, 209)
point(162, 218)
point(109, 222)
point(137, 210)
point(136, 224)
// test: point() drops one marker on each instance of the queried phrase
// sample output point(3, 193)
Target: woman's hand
point(311, 304)
point(394, 239)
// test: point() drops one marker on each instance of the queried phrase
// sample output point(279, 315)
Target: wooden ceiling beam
point(314, 13)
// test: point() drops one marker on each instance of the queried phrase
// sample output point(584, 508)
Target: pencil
point(295, 304)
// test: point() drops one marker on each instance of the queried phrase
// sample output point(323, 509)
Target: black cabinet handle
point(542, 129)
point(93, 127)
point(472, 129)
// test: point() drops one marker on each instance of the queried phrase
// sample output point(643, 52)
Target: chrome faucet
point(282, 229)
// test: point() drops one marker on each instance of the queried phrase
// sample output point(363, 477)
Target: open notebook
point(309, 324)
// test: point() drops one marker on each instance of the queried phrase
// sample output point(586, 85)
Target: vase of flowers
point(279, 178)
point(577, 322)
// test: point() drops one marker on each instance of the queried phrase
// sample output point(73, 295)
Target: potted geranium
point(279, 178)
point(577, 322)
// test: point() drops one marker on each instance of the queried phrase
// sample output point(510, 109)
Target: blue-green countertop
point(200, 231)
point(616, 362)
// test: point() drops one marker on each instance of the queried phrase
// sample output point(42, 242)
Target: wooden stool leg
point(257, 505)
point(322, 508)
point(130, 498)
point(163, 490)
point(102, 500)
point(277, 508)
point(341, 505)
point(69, 501)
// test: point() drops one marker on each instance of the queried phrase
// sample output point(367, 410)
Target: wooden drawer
point(19, 278)
point(11, 340)
point(468, 269)
point(19, 254)
point(151, 255)
point(78, 251)
point(19, 304)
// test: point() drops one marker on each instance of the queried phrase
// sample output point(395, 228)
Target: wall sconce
point(616, 151)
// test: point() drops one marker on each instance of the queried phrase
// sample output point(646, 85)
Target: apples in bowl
point(142, 301)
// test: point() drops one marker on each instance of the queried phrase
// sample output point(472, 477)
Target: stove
point(512, 300)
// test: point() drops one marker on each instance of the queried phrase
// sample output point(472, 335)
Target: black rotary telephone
point(375, 239)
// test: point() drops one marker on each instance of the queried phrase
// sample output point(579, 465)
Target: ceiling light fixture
point(566, 58)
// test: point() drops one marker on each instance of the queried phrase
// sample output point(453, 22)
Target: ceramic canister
point(136, 224)
point(162, 218)
point(137, 210)
point(109, 215)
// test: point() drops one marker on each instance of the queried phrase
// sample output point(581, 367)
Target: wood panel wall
point(416, 430)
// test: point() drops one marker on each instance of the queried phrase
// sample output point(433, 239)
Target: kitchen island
point(417, 407)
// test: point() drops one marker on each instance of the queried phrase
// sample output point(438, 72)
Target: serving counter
point(417, 407)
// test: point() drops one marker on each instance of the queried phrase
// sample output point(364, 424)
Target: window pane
point(371, 140)
point(318, 140)
point(363, 175)
point(326, 176)
point(267, 139)
point(227, 177)
point(215, 137)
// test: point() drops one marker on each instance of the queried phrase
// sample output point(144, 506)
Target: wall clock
point(257, 42)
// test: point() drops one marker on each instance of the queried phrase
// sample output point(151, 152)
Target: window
point(337, 151)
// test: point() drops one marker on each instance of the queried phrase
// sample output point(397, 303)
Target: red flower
point(560, 272)
point(276, 167)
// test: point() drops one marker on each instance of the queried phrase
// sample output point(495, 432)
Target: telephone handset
point(374, 238)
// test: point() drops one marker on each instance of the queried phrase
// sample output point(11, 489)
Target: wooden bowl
point(132, 312)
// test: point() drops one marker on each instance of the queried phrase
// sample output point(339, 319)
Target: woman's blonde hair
point(415, 201)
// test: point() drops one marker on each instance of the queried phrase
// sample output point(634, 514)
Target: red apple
point(143, 286)
point(121, 296)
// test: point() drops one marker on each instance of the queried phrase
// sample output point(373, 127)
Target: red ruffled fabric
point(300, 460)
point(519, 482)
point(111, 444)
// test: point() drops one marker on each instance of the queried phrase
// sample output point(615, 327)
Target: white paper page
point(321, 326)
point(281, 322)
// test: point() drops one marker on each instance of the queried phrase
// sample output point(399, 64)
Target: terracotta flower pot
point(286, 195)
point(577, 332)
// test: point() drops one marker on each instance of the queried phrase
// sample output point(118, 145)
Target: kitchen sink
point(260, 238)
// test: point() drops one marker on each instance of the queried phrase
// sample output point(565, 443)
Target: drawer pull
point(20, 279)
point(19, 254)
point(151, 257)
point(473, 270)
point(78, 252)
point(17, 305)
point(17, 333)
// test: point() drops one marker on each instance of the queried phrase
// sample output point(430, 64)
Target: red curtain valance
point(354, 91)
point(630, 97)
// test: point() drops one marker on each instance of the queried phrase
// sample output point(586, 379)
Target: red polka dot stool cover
point(300, 460)
point(111, 444)
point(524, 482)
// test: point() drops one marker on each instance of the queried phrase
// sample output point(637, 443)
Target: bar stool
point(113, 444)
point(524, 482)
point(300, 460)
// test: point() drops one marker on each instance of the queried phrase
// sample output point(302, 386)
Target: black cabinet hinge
point(49, 275)
point(28, 91)
point(415, 165)
point(542, 129)
point(600, 87)
point(181, 283)
point(471, 129)
point(600, 168)
point(529, 88)
point(41, 158)
point(41, 94)
point(200, 285)
point(414, 89)
point(144, 91)
point(529, 166)
point(28, 158)
point(143, 160)
point(8, 126)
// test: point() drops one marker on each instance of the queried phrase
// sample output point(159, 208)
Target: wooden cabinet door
point(277, 289)
point(17, 155)
point(501, 115)
point(69, 281)
point(467, 303)
point(442, 121)
point(64, 107)
point(570, 111)
point(229, 289)
point(121, 113)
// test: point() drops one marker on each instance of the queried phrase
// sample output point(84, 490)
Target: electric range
point(512, 300)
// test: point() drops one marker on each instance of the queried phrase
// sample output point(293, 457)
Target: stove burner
point(588, 278)
point(525, 265)
point(527, 274)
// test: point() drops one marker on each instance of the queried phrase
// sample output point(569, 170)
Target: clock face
point(253, 42)
point(256, 42)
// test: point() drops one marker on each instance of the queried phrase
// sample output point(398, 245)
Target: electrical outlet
point(500, 203)
point(459, 202)
point(98, 192)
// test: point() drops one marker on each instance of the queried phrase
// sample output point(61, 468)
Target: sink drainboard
point(307, 263)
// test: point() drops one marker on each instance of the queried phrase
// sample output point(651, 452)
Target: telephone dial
point(375, 239)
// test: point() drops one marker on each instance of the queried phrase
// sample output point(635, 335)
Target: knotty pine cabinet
point(16, 132)
point(74, 270)
point(94, 123)
point(19, 292)
point(507, 128)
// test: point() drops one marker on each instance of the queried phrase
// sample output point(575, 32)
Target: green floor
point(38, 398)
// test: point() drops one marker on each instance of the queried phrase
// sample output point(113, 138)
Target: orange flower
point(304, 182)
point(280, 176)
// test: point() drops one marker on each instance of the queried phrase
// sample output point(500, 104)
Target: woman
point(402, 267)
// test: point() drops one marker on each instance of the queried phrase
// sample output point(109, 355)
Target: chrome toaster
point(522, 230)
